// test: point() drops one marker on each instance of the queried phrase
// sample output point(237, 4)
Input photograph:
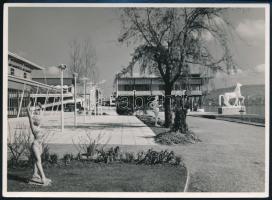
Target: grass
point(100, 177)
point(165, 135)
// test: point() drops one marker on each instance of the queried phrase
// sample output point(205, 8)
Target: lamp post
point(84, 107)
point(62, 67)
point(95, 86)
point(75, 102)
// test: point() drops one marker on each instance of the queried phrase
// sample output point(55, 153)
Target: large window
point(128, 87)
point(139, 87)
point(142, 87)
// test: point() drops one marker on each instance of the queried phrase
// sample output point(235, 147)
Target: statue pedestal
point(233, 110)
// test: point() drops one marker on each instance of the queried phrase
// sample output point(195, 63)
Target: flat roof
point(29, 64)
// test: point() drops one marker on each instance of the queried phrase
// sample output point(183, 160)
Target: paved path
point(107, 129)
point(230, 158)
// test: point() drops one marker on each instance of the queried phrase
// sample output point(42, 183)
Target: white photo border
point(266, 6)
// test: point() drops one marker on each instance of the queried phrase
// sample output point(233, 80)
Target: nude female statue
point(36, 147)
point(156, 109)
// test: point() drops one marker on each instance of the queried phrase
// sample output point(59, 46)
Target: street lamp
point(95, 86)
point(75, 102)
point(84, 107)
point(62, 67)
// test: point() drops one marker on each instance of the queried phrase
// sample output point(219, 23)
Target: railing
point(158, 92)
point(14, 97)
point(195, 92)
point(69, 94)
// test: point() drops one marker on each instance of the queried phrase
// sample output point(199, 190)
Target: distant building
point(20, 83)
point(138, 89)
point(23, 87)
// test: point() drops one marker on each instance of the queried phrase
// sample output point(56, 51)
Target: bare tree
point(89, 61)
point(75, 65)
point(169, 40)
point(83, 59)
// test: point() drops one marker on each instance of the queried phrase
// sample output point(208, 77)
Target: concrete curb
point(231, 120)
point(241, 122)
point(187, 180)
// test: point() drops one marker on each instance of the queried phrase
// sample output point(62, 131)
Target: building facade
point(20, 84)
point(24, 87)
point(138, 91)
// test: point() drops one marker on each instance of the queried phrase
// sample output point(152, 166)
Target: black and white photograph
point(135, 100)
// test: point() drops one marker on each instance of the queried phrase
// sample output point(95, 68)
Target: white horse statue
point(239, 99)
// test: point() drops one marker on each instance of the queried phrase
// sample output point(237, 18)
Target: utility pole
point(84, 81)
point(62, 67)
point(75, 102)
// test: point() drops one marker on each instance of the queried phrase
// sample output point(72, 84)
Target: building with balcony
point(138, 89)
point(24, 86)
point(20, 83)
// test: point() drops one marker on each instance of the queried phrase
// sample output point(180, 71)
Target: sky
point(43, 36)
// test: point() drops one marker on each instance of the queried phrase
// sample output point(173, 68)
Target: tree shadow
point(17, 178)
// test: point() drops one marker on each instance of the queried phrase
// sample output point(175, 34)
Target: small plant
point(111, 155)
point(87, 146)
point(67, 158)
point(53, 158)
point(163, 157)
point(129, 157)
point(18, 143)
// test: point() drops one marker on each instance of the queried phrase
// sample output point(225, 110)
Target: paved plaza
point(231, 156)
point(112, 129)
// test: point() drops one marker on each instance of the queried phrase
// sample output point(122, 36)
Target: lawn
point(101, 177)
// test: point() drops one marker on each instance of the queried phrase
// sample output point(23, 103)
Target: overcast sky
point(42, 35)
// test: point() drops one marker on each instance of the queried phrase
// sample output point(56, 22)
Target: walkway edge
point(187, 180)
point(232, 120)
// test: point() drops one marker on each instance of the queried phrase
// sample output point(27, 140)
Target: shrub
point(87, 146)
point(149, 157)
point(111, 155)
point(169, 138)
point(18, 143)
point(53, 158)
point(163, 157)
point(67, 158)
point(129, 157)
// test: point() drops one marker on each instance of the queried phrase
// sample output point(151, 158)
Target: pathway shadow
point(99, 126)
point(151, 136)
point(17, 178)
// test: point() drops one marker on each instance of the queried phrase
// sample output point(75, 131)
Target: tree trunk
point(167, 107)
point(180, 116)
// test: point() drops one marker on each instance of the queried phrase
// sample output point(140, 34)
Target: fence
point(14, 100)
